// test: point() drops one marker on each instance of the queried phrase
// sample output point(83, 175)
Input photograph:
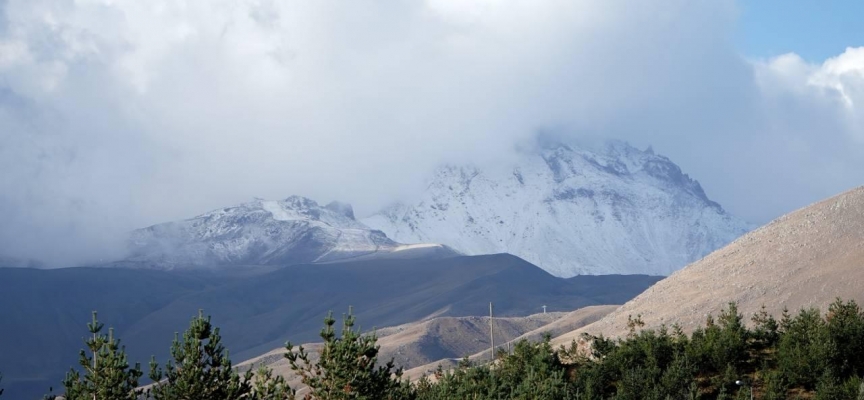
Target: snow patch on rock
point(571, 210)
point(263, 232)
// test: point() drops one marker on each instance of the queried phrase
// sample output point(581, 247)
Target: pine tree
point(804, 349)
point(346, 368)
point(107, 375)
point(266, 386)
point(201, 368)
point(845, 328)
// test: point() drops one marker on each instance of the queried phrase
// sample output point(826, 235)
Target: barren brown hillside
point(416, 344)
point(419, 347)
point(806, 258)
point(420, 343)
point(568, 322)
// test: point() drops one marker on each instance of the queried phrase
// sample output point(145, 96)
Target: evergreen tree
point(107, 375)
point(532, 371)
point(804, 349)
point(810, 355)
point(765, 332)
point(845, 329)
point(347, 366)
point(201, 368)
point(266, 386)
point(830, 388)
point(731, 348)
point(775, 385)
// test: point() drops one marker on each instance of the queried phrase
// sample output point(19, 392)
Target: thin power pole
point(491, 333)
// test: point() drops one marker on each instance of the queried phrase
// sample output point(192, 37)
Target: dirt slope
point(419, 347)
point(566, 323)
point(422, 342)
point(806, 258)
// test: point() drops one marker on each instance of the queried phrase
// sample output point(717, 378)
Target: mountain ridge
point(610, 209)
point(294, 230)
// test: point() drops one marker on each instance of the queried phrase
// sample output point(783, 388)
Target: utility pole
point(491, 333)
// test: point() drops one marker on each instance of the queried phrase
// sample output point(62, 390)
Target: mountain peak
point(294, 230)
point(571, 209)
point(266, 232)
point(341, 208)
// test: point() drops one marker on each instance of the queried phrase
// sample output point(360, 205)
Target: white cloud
point(115, 114)
point(12, 53)
point(807, 141)
point(840, 78)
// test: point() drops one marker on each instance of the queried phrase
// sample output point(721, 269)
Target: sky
point(118, 114)
point(815, 30)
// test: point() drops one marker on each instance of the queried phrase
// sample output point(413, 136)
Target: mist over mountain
point(572, 209)
point(109, 123)
point(264, 232)
point(269, 161)
point(594, 208)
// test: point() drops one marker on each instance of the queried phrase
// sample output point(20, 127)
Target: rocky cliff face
point(610, 209)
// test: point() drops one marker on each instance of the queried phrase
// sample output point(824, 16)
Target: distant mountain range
point(808, 258)
point(603, 209)
point(240, 265)
point(270, 270)
point(295, 230)
point(609, 209)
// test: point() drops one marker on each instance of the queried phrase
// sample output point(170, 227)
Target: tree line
point(808, 355)
point(805, 356)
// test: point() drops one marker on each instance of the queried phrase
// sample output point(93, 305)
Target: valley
point(258, 310)
point(268, 271)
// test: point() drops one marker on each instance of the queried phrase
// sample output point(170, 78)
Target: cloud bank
point(116, 114)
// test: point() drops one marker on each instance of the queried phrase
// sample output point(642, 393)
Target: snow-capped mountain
point(609, 209)
point(264, 232)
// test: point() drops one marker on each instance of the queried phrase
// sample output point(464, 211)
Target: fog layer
point(120, 114)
